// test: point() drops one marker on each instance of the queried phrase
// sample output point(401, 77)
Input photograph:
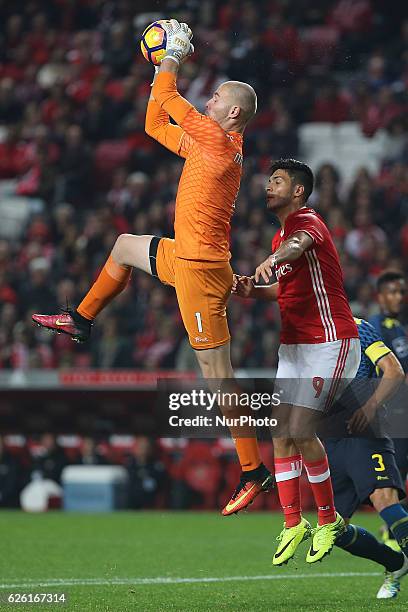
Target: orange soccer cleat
point(251, 484)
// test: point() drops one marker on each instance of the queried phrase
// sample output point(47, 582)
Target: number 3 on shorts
point(199, 322)
point(377, 457)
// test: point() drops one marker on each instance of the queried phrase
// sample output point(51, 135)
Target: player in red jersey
point(319, 351)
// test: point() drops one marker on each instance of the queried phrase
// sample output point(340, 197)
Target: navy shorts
point(401, 455)
point(358, 466)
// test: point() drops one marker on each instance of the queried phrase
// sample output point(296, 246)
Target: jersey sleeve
point(159, 127)
point(202, 129)
point(308, 223)
point(371, 342)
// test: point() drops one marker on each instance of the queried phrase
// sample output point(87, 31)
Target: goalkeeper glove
point(179, 37)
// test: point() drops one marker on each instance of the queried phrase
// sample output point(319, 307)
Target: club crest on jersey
point(283, 270)
point(238, 159)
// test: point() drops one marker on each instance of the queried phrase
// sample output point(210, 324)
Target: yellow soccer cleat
point(289, 540)
point(324, 537)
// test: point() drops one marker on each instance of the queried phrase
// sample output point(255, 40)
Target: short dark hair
point(389, 276)
point(298, 171)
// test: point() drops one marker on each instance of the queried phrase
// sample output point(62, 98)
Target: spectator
point(11, 110)
point(381, 112)
point(9, 478)
point(11, 154)
point(89, 454)
point(49, 460)
point(283, 138)
point(119, 51)
point(96, 122)
point(74, 169)
point(147, 474)
point(38, 292)
point(362, 241)
point(112, 350)
point(330, 105)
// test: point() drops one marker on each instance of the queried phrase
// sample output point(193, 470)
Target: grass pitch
point(177, 561)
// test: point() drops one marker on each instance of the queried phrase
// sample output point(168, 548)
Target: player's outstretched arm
point(158, 126)
point(243, 286)
point(392, 377)
point(157, 123)
point(290, 250)
point(164, 89)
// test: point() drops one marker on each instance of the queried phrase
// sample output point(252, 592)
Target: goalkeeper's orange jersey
point(211, 176)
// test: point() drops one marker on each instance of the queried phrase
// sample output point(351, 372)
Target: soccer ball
point(153, 42)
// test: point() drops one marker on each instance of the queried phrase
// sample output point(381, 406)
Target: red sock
point(287, 475)
point(318, 473)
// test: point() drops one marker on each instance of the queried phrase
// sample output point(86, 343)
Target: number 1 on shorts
point(199, 322)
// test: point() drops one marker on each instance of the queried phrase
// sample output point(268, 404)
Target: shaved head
point(232, 105)
point(242, 95)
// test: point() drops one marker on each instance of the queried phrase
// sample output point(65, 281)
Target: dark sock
point(362, 543)
point(80, 320)
point(396, 518)
point(258, 473)
point(390, 534)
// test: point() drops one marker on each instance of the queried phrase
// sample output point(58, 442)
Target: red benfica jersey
point(312, 301)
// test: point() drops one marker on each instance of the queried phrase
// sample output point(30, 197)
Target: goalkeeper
point(197, 261)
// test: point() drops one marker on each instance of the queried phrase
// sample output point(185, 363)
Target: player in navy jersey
point(391, 293)
point(319, 352)
point(364, 468)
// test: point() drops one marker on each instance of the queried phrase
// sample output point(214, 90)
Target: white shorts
point(314, 375)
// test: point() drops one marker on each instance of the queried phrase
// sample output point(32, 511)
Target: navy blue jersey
point(372, 349)
point(393, 334)
point(361, 465)
point(364, 384)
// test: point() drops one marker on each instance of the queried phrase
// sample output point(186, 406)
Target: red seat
point(201, 470)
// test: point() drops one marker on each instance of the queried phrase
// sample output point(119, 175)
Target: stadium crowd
point(73, 94)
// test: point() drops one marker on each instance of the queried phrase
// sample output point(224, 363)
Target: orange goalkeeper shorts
point(202, 289)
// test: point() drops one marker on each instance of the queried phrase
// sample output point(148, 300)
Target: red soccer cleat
point(64, 323)
point(248, 488)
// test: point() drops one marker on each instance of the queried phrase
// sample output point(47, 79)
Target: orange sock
point(248, 453)
point(111, 281)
